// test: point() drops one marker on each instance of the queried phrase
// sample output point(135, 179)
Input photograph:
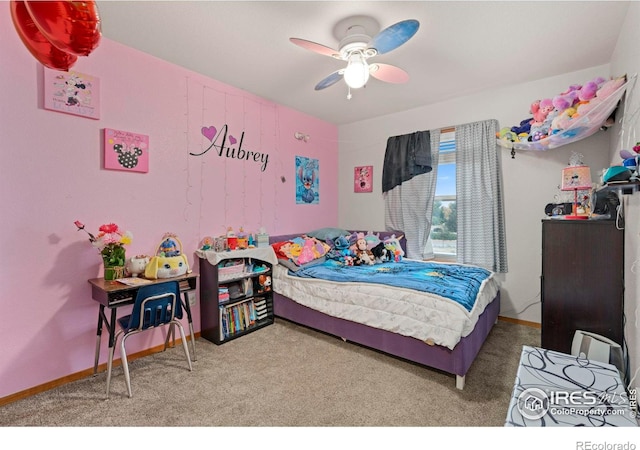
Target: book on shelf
point(222, 323)
point(247, 287)
point(236, 318)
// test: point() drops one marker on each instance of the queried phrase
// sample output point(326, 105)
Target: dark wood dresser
point(582, 283)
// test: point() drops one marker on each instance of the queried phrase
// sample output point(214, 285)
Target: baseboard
point(83, 374)
point(520, 322)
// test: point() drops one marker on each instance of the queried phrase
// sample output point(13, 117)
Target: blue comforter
point(456, 282)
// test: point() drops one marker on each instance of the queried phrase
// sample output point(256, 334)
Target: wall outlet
point(192, 298)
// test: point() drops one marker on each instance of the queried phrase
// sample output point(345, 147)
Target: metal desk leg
point(112, 343)
point(185, 303)
point(98, 339)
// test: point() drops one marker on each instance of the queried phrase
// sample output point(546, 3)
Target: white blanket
point(424, 316)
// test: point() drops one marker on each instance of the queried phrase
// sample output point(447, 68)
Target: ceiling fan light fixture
point(356, 74)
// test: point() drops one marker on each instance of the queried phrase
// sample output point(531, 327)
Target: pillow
point(279, 250)
point(325, 234)
point(295, 267)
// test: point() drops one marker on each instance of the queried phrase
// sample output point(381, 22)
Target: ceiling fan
point(357, 46)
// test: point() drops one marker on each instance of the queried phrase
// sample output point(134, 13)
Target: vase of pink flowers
point(110, 242)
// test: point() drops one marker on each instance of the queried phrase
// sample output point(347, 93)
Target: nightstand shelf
point(236, 296)
point(624, 187)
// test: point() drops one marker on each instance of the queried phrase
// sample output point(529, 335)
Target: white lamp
point(356, 74)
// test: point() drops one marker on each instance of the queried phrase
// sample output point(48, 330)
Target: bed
point(314, 303)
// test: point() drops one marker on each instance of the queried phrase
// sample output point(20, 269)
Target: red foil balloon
point(39, 46)
point(72, 26)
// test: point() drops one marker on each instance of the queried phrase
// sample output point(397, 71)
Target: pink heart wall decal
point(232, 140)
point(209, 132)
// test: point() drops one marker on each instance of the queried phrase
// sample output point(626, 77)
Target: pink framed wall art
point(126, 151)
point(72, 93)
point(363, 179)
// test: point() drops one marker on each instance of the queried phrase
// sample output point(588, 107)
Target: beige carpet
point(287, 376)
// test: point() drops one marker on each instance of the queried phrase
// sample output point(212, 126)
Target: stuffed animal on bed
point(380, 253)
point(392, 244)
point(340, 250)
point(372, 239)
point(363, 254)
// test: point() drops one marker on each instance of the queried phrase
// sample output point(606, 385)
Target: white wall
point(530, 180)
point(626, 59)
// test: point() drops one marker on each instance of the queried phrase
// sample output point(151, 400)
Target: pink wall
point(51, 175)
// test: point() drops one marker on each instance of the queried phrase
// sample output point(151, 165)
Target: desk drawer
point(119, 297)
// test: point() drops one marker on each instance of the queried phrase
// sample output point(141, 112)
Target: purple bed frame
point(456, 361)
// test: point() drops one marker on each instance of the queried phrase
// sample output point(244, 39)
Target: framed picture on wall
point(363, 179)
point(126, 151)
point(72, 93)
point(307, 180)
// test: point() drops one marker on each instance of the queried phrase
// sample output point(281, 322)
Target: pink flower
point(109, 236)
point(109, 228)
point(80, 226)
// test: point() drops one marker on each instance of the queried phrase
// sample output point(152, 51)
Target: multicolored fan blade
point(330, 80)
point(394, 36)
point(315, 47)
point(388, 73)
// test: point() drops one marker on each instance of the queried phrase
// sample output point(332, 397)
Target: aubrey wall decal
point(213, 135)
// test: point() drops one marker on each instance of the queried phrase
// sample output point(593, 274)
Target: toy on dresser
point(136, 265)
point(169, 260)
point(265, 283)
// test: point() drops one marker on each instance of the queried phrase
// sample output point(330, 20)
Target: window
point(444, 228)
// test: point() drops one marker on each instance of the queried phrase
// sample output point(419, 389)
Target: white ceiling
point(460, 47)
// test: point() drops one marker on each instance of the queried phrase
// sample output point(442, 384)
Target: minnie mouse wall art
point(72, 93)
point(126, 151)
point(363, 179)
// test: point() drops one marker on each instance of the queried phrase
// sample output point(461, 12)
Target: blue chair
point(155, 305)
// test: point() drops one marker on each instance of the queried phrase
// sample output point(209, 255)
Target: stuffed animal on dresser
point(136, 265)
point(265, 283)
